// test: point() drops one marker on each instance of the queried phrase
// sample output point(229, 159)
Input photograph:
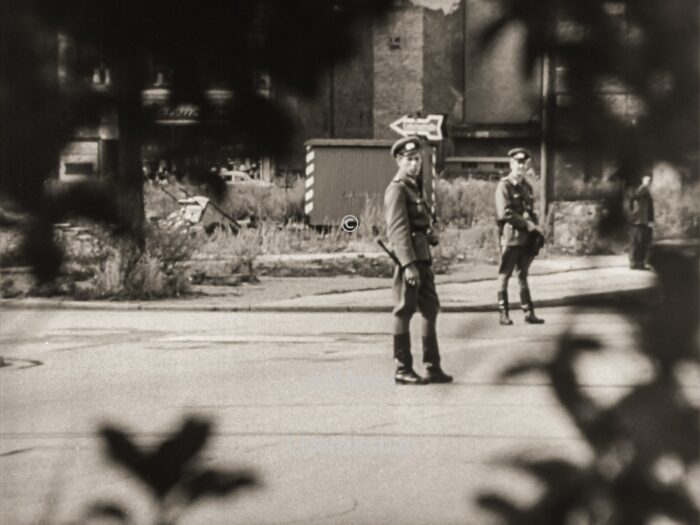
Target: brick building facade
point(423, 57)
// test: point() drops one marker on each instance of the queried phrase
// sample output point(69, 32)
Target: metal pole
point(331, 102)
point(545, 175)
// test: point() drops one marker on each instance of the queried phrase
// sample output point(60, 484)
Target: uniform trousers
point(640, 241)
point(515, 258)
point(423, 297)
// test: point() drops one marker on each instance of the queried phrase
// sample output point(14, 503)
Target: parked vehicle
point(240, 177)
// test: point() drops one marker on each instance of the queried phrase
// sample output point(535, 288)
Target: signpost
point(429, 127)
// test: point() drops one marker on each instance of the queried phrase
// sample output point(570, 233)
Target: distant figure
point(642, 222)
point(519, 236)
point(163, 171)
point(410, 235)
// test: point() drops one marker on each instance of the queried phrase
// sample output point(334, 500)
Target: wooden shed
point(342, 174)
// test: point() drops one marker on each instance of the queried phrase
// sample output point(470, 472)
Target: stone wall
point(572, 228)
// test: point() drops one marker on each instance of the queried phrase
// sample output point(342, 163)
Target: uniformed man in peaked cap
point(519, 236)
point(411, 234)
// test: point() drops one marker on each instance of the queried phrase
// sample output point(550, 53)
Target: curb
point(636, 296)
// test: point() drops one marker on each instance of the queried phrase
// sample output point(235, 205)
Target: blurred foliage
point(236, 43)
point(118, 270)
point(627, 81)
point(240, 249)
point(646, 446)
point(676, 212)
point(173, 473)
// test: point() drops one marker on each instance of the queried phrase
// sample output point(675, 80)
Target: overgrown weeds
point(466, 202)
point(122, 270)
point(677, 211)
point(240, 201)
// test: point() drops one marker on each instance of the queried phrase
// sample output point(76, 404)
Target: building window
point(79, 160)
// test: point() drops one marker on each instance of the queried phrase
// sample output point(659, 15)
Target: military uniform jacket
point(514, 207)
point(407, 221)
point(641, 206)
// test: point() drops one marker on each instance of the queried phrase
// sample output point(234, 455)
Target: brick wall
point(443, 63)
point(398, 68)
point(353, 89)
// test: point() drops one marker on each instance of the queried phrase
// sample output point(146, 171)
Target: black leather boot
point(528, 308)
point(431, 359)
point(405, 375)
point(503, 309)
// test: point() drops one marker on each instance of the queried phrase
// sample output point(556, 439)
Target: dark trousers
point(424, 298)
point(640, 241)
point(514, 258)
point(408, 299)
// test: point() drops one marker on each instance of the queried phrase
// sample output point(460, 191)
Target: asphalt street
point(307, 400)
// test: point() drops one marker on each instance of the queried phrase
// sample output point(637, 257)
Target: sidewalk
point(560, 281)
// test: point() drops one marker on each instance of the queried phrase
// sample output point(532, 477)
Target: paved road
point(306, 399)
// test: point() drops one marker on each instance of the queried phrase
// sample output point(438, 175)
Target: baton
point(389, 252)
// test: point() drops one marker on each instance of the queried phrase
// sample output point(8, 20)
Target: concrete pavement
point(557, 281)
point(307, 400)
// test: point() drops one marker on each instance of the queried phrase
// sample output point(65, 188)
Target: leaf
point(108, 510)
point(122, 451)
point(217, 483)
point(500, 506)
point(524, 367)
point(186, 443)
point(165, 467)
point(569, 344)
point(551, 471)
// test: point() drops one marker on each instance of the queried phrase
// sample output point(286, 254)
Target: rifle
point(390, 253)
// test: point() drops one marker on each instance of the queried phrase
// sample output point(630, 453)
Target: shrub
point(677, 211)
point(240, 201)
point(372, 222)
point(239, 249)
point(277, 239)
point(478, 243)
point(161, 201)
point(10, 243)
point(126, 272)
point(272, 203)
point(465, 202)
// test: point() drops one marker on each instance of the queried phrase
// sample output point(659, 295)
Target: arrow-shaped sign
point(429, 127)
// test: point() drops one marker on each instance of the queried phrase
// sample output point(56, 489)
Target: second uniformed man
point(518, 234)
point(410, 234)
point(642, 219)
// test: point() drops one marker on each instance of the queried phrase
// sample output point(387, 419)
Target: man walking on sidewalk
point(642, 220)
point(410, 235)
point(519, 236)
